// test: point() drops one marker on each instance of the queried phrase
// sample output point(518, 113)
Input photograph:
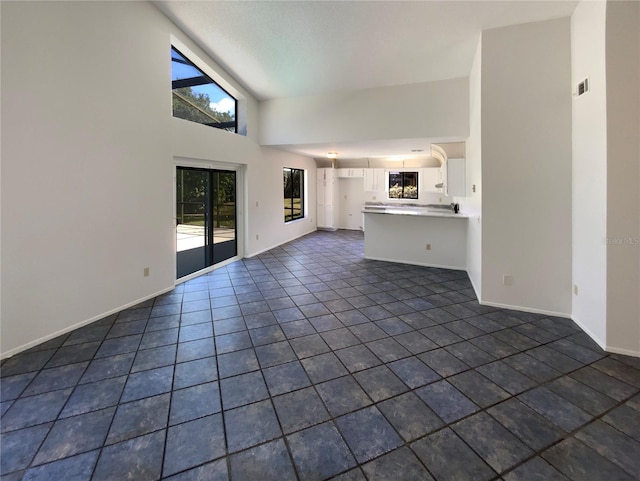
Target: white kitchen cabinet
point(455, 179)
point(374, 180)
point(350, 173)
point(429, 177)
point(326, 199)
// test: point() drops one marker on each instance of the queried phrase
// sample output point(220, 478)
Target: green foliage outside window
point(403, 185)
point(293, 180)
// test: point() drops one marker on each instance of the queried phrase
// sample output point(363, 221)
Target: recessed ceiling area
point(375, 149)
point(283, 49)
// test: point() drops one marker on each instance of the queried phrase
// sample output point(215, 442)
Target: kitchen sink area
point(429, 210)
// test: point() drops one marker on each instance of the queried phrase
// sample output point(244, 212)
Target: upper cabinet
point(374, 180)
point(455, 181)
point(429, 178)
point(350, 173)
point(451, 177)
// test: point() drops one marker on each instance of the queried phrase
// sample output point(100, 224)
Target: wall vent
point(583, 87)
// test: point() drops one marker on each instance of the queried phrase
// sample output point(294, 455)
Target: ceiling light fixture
point(332, 155)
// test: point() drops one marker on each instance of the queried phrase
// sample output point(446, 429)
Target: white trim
point(525, 309)
point(625, 352)
point(73, 327)
point(295, 221)
point(593, 337)
point(241, 99)
point(603, 344)
point(423, 264)
point(253, 254)
point(241, 202)
point(206, 164)
point(475, 289)
point(206, 68)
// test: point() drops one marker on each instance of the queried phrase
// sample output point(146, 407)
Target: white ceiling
point(292, 48)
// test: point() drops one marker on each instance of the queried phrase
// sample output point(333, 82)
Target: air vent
point(583, 87)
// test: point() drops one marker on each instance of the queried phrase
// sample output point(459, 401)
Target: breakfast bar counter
point(416, 235)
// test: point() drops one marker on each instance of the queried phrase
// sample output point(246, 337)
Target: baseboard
point(624, 352)
point(475, 289)
point(603, 344)
point(594, 338)
point(253, 254)
point(525, 309)
point(29, 345)
point(423, 264)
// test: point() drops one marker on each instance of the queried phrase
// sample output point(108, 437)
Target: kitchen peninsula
point(415, 234)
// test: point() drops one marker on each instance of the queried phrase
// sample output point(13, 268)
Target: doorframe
point(241, 179)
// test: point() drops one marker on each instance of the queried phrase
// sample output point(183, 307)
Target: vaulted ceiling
point(279, 49)
point(292, 48)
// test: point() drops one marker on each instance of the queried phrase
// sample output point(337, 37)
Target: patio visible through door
point(206, 218)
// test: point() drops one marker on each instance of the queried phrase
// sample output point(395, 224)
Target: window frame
point(208, 81)
point(404, 185)
point(301, 188)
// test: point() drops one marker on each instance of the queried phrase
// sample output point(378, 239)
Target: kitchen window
point(403, 185)
point(199, 99)
point(293, 194)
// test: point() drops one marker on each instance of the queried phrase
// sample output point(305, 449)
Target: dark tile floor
point(309, 362)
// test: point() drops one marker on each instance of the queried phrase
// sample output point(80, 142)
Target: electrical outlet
point(473, 187)
point(507, 280)
point(575, 289)
point(440, 200)
point(428, 247)
point(145, 272)
point(374, 197)
point(257, 204)
point(257, 237)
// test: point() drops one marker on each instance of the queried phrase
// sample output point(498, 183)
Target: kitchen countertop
point(415, 210)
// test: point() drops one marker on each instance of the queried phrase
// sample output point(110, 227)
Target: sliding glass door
point(206, 218)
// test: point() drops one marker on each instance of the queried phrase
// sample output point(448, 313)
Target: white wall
point(266, 188)
point(589, 147)
point(526, 166)
point(623, 174)
point(88, 161)
point(85, 171)
point(264, 176)
point(472, 203)
point(431, 109)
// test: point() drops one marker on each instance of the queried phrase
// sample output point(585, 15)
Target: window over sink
point(403, 185)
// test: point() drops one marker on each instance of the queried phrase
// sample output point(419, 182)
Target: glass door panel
point(192, 220)
point(224, 215)
point(206, 218)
